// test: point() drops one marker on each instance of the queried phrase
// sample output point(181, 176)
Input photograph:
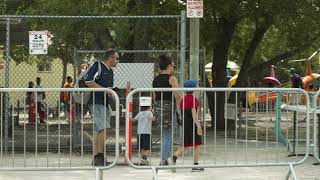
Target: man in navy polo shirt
point(99, 101)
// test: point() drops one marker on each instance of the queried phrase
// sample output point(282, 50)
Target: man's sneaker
point(144, 160)
point(98, 160)
point(164, 163)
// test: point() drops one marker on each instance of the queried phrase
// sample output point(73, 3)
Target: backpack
point(81, 83)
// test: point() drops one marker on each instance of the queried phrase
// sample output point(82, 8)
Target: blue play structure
point(277, 127)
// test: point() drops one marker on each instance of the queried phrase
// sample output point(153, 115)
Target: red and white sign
point(195, 8)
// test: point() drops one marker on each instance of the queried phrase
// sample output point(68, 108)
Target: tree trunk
point(282, 56)
point(246, 63)
point(224, 35)
point(276, 59)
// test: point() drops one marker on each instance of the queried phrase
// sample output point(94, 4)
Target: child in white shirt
point(144, 118)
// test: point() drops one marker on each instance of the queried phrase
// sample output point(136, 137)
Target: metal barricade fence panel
point(262, 128)
point(41, 137)
point(315, 111)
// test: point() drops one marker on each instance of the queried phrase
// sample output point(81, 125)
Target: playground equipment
point(277, 126)
point(269, 99)
point(271, 80)
point(309, 75)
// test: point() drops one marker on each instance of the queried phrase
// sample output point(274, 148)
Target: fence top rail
point(56, 90)
point(287, 90)
point(135, 51)
point(89, 17)
point(129, 51)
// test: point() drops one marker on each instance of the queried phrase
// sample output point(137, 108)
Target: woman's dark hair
point(164, 62)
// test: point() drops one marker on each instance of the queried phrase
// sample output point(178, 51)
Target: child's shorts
point(144, 141)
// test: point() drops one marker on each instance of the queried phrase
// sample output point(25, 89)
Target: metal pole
point(77, 125)
point(99, 174)
point(6, 83)
point(75, 64)
point(194, 48)
point(204, 58)
point(182, 46)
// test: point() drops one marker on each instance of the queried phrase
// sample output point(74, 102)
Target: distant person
point(295, 79)
point(32, 106)
point(144, 118)
point(68, 101)
point(295, 82)
point(40, 101)
point(164, 106)
point(192, 130)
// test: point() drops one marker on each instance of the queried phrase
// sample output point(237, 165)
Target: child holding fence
point(192, 130)
point(144, 118)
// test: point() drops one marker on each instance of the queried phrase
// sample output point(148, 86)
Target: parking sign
point(195, 8)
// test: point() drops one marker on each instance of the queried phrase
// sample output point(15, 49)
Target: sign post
point(38, 42)
point(194, 12)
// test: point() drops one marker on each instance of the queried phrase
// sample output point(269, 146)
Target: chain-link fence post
point(78, 113)
point(6, 85)
point(182, 46)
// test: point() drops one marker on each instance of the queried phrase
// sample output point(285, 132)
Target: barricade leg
point(291, 173)
point(155, 173)
point(99, 174)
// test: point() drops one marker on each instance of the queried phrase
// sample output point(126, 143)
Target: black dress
point(191, 138)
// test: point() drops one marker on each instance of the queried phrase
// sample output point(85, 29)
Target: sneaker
point(144, 160)
point(99, 160)
point(174, 161)
point(197, 169)
point(164, 163)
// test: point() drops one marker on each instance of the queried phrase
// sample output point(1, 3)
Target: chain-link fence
point(67, 34)
point(25, 58)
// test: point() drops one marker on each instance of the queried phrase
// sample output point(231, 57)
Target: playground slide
point(277, 127)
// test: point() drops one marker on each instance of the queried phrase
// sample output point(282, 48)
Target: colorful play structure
point(308, 78)
point(274, 99)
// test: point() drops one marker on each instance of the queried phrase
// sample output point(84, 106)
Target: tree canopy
point(253, 33)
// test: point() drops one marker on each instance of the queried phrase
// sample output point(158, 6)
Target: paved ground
point(306, 172)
